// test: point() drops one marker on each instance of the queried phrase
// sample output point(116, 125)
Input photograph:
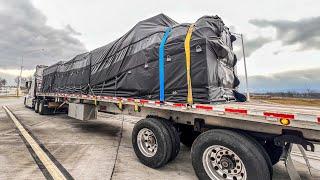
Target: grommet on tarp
point(198, 49)
point(168, 58)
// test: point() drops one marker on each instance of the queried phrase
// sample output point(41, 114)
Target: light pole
point(245, 65)
point(21, 67)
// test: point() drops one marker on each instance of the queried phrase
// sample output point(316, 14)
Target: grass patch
point(291, 101)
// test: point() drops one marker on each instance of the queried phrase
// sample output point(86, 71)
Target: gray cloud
point(250, 45)
point(304, 32)
point(23, 29)
point(298, 80)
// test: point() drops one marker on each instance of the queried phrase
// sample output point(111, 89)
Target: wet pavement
point(88, 150)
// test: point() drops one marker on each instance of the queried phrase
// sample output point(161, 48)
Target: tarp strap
point(188, 62)
point(161, 62)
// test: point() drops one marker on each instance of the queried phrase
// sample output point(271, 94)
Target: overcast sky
point(281, 37)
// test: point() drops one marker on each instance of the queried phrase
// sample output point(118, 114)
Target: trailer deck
point(253, 116)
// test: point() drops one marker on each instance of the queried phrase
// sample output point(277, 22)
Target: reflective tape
point(240, 111)
point(279, 115)
point(204, 107)
point(188, 62)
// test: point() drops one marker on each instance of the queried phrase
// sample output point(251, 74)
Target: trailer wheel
point(152, 142)
point(224, 154)
point(36, 106)
point(175, 139)
point(273, 151)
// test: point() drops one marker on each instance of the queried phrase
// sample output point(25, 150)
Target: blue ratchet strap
point(161, 62)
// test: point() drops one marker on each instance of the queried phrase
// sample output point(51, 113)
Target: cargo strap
point(161, 62)
point(188, 62)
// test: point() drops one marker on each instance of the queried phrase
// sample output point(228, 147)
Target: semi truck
point(229, 138)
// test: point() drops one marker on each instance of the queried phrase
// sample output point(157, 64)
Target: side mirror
point(28, 84)
point(233, 38)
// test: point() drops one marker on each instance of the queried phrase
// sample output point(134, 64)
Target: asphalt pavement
point(90, 150)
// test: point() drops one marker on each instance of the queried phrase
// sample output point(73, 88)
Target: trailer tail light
point(318, 119)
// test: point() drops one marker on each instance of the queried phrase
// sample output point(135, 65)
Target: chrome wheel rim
point(147, 142)
point(220, 162)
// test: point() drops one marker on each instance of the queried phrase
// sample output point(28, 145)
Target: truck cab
point(34, 87)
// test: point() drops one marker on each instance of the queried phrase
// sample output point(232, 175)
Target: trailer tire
point(236, 153)
point(157, 134)
point(273, 151)
point(262, 151)
point(175, 139)
point(36, 106)
point(43, 108)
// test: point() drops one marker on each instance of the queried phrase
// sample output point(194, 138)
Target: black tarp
point(73, 76)
point(129, 66)
point(49, 75)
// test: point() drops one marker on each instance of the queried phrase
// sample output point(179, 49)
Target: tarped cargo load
point(158, 59)
point(73, 76)
point(49, 74)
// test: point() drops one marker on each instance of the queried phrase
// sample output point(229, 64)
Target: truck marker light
point(284, 121)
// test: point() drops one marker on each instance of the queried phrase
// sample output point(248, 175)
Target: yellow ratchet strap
point(95, 101)
point(188, 62)
point(120, 106)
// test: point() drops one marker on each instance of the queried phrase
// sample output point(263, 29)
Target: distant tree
point(3, 82)
point(23, 80)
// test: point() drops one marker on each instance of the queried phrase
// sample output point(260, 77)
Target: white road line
point(46, 161)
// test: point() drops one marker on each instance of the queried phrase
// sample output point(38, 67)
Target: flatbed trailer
point(230, 140)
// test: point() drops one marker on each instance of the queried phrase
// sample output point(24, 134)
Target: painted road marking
point(45, 160)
